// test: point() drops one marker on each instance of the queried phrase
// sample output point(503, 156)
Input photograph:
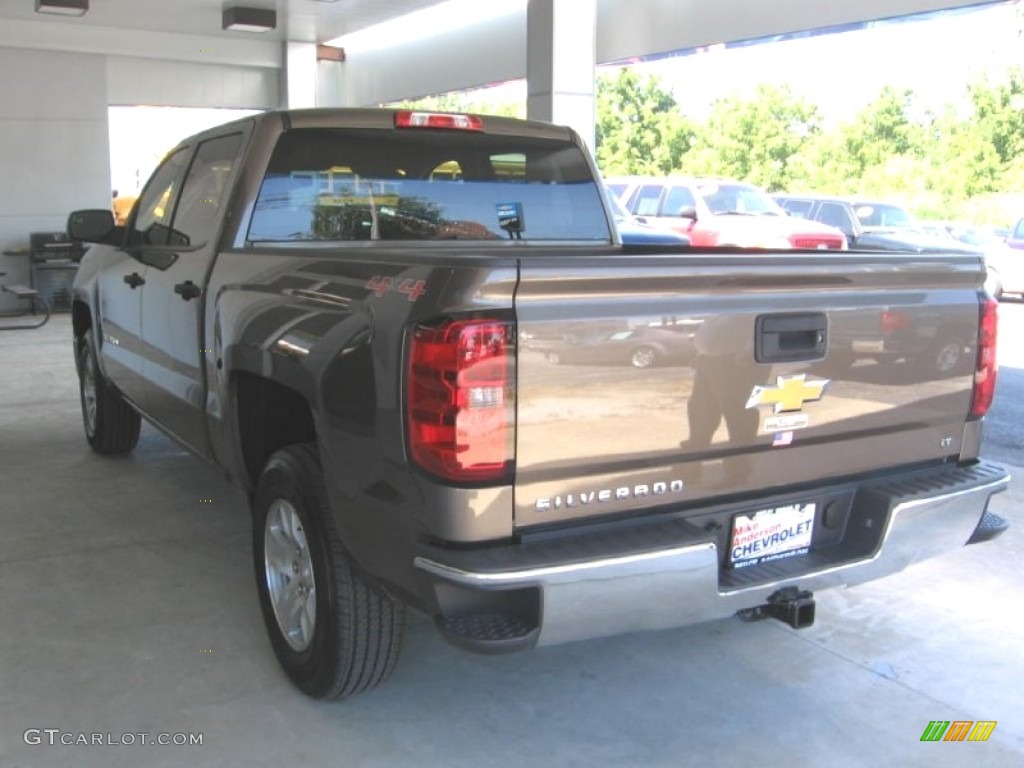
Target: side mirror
point(688, 212)
point(92, 225)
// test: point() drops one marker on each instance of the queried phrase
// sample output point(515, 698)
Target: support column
point(561, 58)
point(330, 84)
point(300, 72)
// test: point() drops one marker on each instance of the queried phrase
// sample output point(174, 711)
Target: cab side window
point(205, 186)
point(152, 224)
point(677, 199)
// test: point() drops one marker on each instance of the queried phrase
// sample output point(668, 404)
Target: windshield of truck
point(333, 184)
point(724, 199)
point(883, 215)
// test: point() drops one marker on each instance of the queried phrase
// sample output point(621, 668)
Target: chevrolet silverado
point(329, 304)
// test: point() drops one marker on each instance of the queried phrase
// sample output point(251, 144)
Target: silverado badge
point(789, 393)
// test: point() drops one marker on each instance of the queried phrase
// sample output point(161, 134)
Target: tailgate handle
point(791, 338)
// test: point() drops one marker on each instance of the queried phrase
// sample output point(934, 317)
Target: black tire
point(111, 425)
point(353, 637)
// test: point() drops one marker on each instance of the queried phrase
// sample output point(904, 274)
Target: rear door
point(781, 375)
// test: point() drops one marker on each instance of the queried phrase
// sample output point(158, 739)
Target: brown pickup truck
point(343, 310)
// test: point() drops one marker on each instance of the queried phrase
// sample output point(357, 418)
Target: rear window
point(332, 184)
point(799, 208)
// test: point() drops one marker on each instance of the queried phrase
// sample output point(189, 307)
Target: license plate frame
point(771, 534)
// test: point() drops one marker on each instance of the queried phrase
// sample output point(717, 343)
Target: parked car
point(300, 299)
point(634, 230)
point(870, 225)
point(641, 347)
point(1015, 239)
point(1005, 265)
point(720, 212)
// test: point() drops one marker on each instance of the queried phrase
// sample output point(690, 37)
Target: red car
point(721, 212)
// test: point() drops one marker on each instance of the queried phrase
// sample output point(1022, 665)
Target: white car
point(1005, 270)
point(1005, 264)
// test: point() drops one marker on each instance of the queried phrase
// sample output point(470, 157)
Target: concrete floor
point(128, 605)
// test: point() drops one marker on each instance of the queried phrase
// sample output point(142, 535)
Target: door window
point(205, 186)
point(152, 224)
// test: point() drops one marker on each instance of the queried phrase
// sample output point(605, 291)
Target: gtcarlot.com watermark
point(56, 737)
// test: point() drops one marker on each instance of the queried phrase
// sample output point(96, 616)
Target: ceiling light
point(238, 19)
point(63, 7)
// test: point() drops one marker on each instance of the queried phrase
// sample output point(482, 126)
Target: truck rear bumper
point(669, 573)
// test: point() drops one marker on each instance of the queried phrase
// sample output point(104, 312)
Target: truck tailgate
point(651, 380)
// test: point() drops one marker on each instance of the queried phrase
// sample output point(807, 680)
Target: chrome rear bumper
point(642, 588)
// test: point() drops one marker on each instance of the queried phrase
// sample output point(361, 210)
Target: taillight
point(407, 119)
point(460, 400)
point(986, 369)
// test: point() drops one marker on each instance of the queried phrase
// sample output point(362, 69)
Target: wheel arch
point(268, 415)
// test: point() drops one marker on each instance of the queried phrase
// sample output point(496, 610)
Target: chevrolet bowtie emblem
point(789, 393)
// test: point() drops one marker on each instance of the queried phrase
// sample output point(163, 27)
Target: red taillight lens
point(460, 400)
point(407, 119)
point(987, 368)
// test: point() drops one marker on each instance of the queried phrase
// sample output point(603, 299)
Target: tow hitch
point(789, 605)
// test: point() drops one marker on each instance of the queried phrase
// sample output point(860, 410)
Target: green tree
point(885, 128)
point(999, 114)
point(639, 126)
point(758, 139)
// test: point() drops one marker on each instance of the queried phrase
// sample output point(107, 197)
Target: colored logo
point(789, 393)
point(958, 730)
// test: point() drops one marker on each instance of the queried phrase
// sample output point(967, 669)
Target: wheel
point(643, 357)
point(943, 358)
point(946, 358)
point(111, 425)
point(333, 632)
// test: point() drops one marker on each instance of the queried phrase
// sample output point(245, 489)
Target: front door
point(123, 282)
point(119, 342)
point(173, 302)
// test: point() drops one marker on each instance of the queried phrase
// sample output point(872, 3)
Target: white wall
point(54, 154)
point(164, 83)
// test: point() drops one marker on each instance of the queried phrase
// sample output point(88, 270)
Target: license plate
point(771, 534)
